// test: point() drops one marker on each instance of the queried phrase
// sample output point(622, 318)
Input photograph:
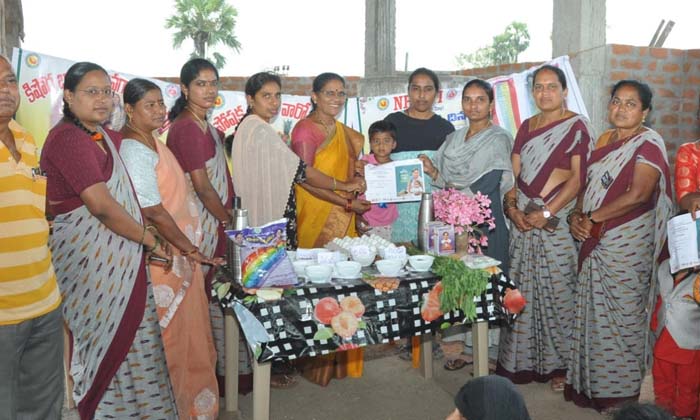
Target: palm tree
point(208, 23)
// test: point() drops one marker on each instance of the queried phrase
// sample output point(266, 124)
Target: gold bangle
point(335, 184)
point(155, 244)
point(143, 235)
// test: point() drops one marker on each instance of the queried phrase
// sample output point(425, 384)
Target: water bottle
point(425, 216)
point(240, 221)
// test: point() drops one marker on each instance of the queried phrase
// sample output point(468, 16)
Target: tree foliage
point(505, 48)
point(208, 23)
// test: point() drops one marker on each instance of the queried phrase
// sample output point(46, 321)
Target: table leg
point(231, 339)
point(480, 337)
point(426, 360)
point(261, 390)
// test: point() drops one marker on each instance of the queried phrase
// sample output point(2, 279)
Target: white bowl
point(348, 269)
point(318, 273)
point(292, 255)
point(421, 262)
point(300, 265)
point(389, 267)
point(367, 260)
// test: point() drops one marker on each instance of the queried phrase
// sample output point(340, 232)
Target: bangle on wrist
point(155, 244)
point(190, 252)
point(224, 224)
point(143, 235)
point(589, 214)
point(335, 184)
point(348, 205)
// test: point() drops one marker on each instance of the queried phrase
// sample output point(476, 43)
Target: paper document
point(396, 181)
point(683, 236)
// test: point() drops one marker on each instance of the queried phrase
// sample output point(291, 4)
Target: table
point(294, 330)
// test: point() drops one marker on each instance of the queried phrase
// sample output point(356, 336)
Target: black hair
point(425, 72)
point(486, 86)
point(554, 69)
point(320, 81)
point(190, 70)
point(382, 126)
point(637, 411)
point(136, 89)
point(73, 77)
point(643, 90)
point(252, 87)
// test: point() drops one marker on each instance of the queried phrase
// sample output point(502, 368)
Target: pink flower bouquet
point(466, 214)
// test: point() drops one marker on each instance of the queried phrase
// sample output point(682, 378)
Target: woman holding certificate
point(333, 148)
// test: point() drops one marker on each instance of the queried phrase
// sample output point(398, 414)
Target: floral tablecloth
point(319, 319)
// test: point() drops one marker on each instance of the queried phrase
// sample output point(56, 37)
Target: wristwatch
point(546, 212)
point(588, 214)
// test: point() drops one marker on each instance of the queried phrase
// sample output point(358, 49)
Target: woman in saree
point(621, 218)
point(117, 361)
point(332, 148)
point(549, 160)
point(199, 149)
point(476, 158)
point(168, 204)
point(266, 169)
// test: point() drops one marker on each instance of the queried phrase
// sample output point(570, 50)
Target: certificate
point(397, 181)
point(683, 237)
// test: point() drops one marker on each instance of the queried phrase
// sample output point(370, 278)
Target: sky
point(313, 36)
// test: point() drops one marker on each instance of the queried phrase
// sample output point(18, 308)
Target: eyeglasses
point(95, 92)
point(334, 94)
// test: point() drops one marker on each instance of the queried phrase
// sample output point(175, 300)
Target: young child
point(676, 321)
point(382, 141)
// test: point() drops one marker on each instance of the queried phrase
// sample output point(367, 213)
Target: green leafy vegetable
point(324, 334)
point(459, 285)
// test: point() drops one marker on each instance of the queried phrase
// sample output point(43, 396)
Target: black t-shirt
point(414, 135)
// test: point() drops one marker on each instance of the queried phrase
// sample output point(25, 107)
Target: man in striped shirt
point(31, 325)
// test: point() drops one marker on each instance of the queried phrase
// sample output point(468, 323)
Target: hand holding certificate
point(396, 181)
point(683, 237)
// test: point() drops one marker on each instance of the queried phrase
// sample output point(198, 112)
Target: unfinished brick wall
point(674, 77)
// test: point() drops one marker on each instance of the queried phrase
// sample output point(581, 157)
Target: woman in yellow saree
point(332, 148)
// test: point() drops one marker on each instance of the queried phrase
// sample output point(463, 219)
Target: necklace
point(470, 134)
point(149, 140)
point(201, 123)
point(328, 128)
point(615, 136)
point(539, 118)
point(94, 135)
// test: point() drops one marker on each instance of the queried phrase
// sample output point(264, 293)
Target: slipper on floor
point(456, 364)
point(557, 384)
point(282, 381)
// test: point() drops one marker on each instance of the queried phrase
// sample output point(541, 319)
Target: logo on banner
point(219, 102)
point(382, 104)
point(33, 60)
point(172, 91)
point(451, 94)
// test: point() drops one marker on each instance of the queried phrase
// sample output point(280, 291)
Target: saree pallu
point(214, 244)
point(182, 304)
point(543, 264)
point(611, 345)
point(117, 360)
point(320, 221)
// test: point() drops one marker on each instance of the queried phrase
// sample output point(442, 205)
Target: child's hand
point(360, 168)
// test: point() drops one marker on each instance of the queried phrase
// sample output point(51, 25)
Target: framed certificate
point(397, 181)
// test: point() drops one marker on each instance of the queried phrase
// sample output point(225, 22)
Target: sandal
point(456, 364)
point(282, 381)
point(558, 384)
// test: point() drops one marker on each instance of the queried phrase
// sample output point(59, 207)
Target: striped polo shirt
point(28, 286)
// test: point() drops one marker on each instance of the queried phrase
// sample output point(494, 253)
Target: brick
point(670, 119)
point(675, 80)
point(689, 107)
point(619, 75)
point(665, 93)
point(658, 52)
point(631, 64)
point(642, 51)
point(693, 53)
point(622, 49)
point(693, 80)
point(651, 66)
point(690, 94)
point(655, 80)
point(686, 67)
point(674, 133)
point(677, 53)
point(671, 67)
point(675, 106)
point(613, 62)
point(687, 120)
